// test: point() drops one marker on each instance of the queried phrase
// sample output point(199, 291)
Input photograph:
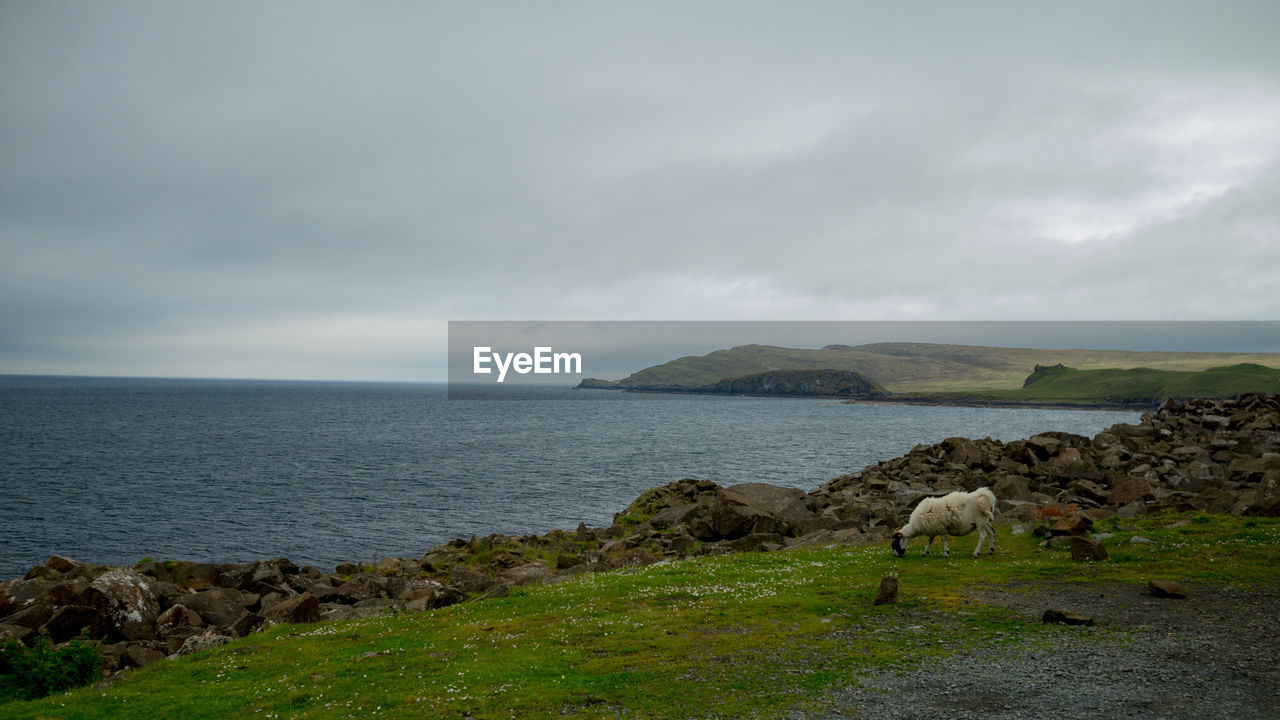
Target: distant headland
point(926, 373)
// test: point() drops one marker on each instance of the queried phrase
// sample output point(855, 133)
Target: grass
point(1137, 386)
point(749, 635)
point(921, 367)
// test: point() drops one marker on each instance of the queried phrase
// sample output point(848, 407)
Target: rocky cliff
point(1219, 456)
point(794, 383)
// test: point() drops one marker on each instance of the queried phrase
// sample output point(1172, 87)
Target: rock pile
point(153, 610)
point(1214, 455)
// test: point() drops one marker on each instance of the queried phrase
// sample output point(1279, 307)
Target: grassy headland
point(1138, 387)
point(918, 367)
point(746, 635)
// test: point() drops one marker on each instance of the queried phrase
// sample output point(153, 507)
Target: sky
point(315, 189)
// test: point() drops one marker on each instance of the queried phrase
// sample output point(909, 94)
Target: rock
point(336, 611)
point(270, 600)
point(1044, 446)
point(247, 623)
point(1130, 490)
point(1067, 458)
point(678, 515)
point(265, 578)
point(1012, 487)
point(1166, 589)
point(61, 564)
point(500, 590)
point(759, 508)
point(417, 589)
point(304, 608)
point(217, 606)
point(177, 618)
point(206, 641)
point(1074, 524)
point(195, 576)
point(362, 587)
point(1066, 618)
point(138, 631)
point(1086, 550)
point(887, 594)
point(525, 575)
point(68, 620)
point(124, 595)
point(1089, 490)
point(469, 581)
point(17, 632)
point(817, 538)
point(141, 654)
point(34, 614)
point(347, 569)
point(633, 558)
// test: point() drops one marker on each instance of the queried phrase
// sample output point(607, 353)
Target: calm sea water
point(112, 470)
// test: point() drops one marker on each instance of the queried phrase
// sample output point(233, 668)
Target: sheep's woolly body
point(959, 513)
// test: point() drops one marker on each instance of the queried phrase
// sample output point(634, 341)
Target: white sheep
point(959, 513)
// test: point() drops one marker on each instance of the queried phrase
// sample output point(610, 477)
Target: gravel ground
point(1215, 654)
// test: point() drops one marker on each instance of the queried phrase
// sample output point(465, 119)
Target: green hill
point(1132, 386)
point(796, 383)
point(919, 367)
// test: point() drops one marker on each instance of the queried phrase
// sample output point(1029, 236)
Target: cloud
point(174, 171)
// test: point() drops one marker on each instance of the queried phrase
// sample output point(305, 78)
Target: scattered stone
point(1138, 540)
point(1074, 524)
point(1166, 589)
point(1086, 550)
point(887, 594)
point(1066, 618)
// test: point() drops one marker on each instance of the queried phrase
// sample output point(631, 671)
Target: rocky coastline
point(774, 383)
point(1220, 456)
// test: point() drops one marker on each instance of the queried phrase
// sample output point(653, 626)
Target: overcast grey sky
point(312, 189)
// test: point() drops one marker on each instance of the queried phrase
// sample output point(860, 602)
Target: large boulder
point(178, 618)
point(759, 508)
point(125, 597)
point(304, 608)
point(361, 587)
point(217, 606)
point(1130, 489)
point(678, 515)
point(69, 620)
point(525, 575)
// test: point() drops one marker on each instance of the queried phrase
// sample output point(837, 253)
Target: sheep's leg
point(946, 551)
point(928, 544)
point(982, 535)
point(991, 529)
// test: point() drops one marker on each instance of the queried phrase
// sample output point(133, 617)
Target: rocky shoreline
point(1219, 456)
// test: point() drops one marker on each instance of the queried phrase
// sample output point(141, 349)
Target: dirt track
point(1215, 654)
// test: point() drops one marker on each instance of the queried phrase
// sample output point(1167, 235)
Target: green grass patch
point(1132, 386)
point(749, 635)
point(923, 367)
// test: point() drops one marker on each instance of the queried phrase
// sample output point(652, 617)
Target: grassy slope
point(923, 367)
point(734, 636)
point(1136, 385)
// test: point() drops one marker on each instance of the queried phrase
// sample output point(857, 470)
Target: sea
point(112, 470)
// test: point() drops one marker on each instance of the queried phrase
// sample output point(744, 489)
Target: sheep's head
point(899, 544)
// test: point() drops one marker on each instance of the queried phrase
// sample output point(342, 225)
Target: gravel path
point(1215, 654)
